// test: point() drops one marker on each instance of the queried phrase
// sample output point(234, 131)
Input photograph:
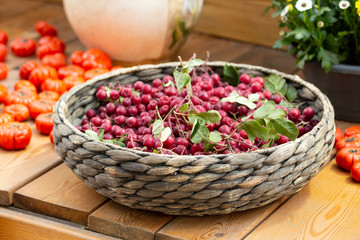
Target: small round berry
point(308, 113)
point(114, 94)
point(101, 94)
point(245, 78)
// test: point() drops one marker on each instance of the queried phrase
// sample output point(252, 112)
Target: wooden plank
point(219, 49)
point(268, 57)
point(327, 208)
point(240, 20)
point(230, 226)
point(18, 226)
point(17, 168)
point(59, 193)
point(121, 221)
point(10, 8)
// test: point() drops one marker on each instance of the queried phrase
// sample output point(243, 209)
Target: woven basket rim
point(60, 105)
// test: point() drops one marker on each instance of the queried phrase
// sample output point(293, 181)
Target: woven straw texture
point(190, 185)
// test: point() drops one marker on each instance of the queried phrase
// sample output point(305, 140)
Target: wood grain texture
point(229, 226)
point(59, 193)
point(20, 167)
point(240, 20)
point(121, 221)
point(20, 226)
point(327, 208)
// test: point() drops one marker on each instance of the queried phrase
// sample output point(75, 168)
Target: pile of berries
point(128, 112)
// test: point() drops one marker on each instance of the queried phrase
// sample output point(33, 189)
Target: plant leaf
point(181, 79)
point(285, 127)
point(158, 126)
point(291, 93)
point(264, 110)
point(165, 133)
point(209, 117)
point(254, 129)
point(215, 136)
point(183, 108)
point(101, 134)
point(235, 97)
point(191, 64)
point(231, 75)
point(92, 134)
point(277, 113)
point(199, 131)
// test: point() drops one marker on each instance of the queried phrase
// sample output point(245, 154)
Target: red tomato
point(3, 37)
point(49, 95)
point(26, 68)
point(20, 112)
point(70, 70)
point(23, 47)
point(15, 135)
point(3, 71)
point(39, 74)
point(45, 28)
point(89, 74)
point(44, 123)
point(56, 60)
point(71, 81)
point(25, 84)
point(76, 57)
point(51, 136)
point(355, 171)
point(23, 96)
point(348, 142)
point(3, 52)
point(55, 85)
point(54, 45)
point(347, 156)
point(4, 91)
point(351, 131)
point(95, 58)
point(338, 135)
point(5, 118)
point(41, 106)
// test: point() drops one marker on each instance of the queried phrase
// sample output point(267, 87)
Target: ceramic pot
point(133, 31)
point(341, 85)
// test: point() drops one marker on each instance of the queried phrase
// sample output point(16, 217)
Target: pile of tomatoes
point(348, 150)
point(42, 82)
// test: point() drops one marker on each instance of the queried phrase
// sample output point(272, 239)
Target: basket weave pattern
point(190, 185)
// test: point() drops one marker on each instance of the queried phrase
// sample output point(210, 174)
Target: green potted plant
point(324, 37)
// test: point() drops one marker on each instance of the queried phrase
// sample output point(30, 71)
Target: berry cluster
point(128, 115)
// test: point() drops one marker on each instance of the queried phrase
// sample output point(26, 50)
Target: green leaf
point(254, 97)
point(299, 34)
point(274, 83)
point(165, 133)
point(231, 75)
point(92, 134)
point(209, 146)
point(264, 110)
point(134, 92)
point(234, 97)
point(158, 126)
point(285, 127)
point(116, 142)
point(155, 151)
point(209, 117)
point(215, 136)
point(101, 134)
point(191, 64)
point(183, 108)
point(277, 113)
point(254, 129)
point(327, 59)
point(181, 79)
point(291, 93)
point(199, 131)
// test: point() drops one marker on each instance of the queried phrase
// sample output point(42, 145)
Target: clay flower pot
point(133, 31)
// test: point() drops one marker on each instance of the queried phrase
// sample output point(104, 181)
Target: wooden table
point(42, 199)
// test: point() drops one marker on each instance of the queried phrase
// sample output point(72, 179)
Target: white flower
point(303, 5)
point(284, 11)
point(344, 4)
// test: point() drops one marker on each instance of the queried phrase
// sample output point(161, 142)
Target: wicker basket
point(190, 185)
